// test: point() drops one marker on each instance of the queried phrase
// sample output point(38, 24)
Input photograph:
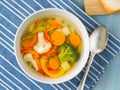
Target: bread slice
point(111, 6)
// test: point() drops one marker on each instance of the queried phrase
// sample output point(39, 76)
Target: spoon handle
point(82, 83)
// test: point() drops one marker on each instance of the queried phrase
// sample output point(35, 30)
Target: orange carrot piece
point(53, 22)
point(55, 73)
point(29, 43)
point(26, 43)
point(58, 38)
point(74, 39)
point(54, 63)
point(50, 29)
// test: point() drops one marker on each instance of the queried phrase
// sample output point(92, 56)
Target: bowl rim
point(78, 67)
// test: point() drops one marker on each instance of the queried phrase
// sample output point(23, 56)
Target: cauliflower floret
point(43, 45)
point(29, 58)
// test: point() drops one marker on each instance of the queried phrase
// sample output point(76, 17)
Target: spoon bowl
point(98, 42)
point(98, 39)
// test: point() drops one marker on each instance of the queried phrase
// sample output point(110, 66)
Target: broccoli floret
point(66, 52)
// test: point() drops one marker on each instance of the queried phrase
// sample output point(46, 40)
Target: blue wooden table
point(110, 80)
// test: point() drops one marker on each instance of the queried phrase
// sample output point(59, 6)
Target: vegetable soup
point(51, 46)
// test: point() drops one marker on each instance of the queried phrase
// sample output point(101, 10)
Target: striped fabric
point(12, 13)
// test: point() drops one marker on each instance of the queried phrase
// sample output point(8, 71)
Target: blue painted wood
point(110, 80)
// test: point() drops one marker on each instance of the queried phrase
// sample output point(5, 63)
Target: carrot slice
point(74, 39)
point(58, 38)
point(59, 72)
point(54, 63)
point(29, 43)
point(46, 32)
point(53, 22)
point(26, 43)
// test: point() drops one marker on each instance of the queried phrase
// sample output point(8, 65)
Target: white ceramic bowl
point(80, 30)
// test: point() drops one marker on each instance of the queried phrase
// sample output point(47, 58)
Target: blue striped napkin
point(12, 13)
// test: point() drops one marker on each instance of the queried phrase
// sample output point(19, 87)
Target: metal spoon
point(98, 41)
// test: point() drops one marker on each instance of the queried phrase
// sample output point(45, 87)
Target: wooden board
point(94, 7)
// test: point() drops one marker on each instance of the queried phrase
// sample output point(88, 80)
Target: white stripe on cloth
point(6, 84)
point(11, 11)
point(9, 21)
point(7, 43)
point(7, 36)
point(14, 8)
point(11, 81)
point(1, 85)
point(21, 7)
point(28, 5)
point(15, 78)
point(11, 33)
point(38, 4)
